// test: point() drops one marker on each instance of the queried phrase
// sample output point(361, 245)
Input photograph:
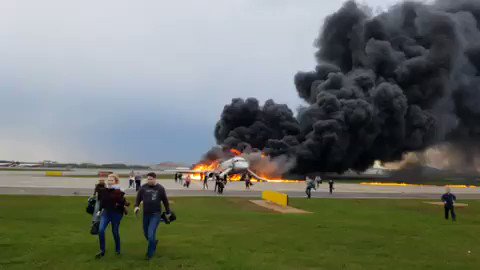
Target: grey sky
point(143, 81)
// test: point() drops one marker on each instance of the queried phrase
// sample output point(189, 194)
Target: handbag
point(95, 227)
point(91, 205)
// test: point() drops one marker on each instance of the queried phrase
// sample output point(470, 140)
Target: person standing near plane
point(248, 181)
point(448, 200)
point(112, 208)
point(152, 195)
point(205, 180)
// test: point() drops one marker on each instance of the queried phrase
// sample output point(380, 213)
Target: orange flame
point(204, 167)
point(235, 152)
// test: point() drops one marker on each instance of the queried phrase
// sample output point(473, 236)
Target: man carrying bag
point(153, 195)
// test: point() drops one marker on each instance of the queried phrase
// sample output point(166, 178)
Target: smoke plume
point(384, 85)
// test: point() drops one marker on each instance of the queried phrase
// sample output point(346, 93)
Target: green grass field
point(230, 233)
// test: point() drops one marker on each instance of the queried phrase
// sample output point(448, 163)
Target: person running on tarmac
point(448, 200)
point(248, 181)
point(330, 186)
point(131, 179)
point(205, 180)
point(318, 181)
point(187, 181)
point(138, 181)
point(217, 180)
point(180, 178)
point(225, 179)
point(112, 208)
point(220, 184)
point(310, 184)
point(152, 195)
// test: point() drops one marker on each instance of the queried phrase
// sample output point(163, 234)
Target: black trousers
point(137, 184)
point(450, 209)
point(309, 192)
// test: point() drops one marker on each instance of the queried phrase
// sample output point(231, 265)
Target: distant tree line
point(95, 166)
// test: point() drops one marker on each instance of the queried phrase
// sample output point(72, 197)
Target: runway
point(67, 186)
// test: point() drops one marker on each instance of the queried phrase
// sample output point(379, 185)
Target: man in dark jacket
point(152, 195)
point(330, 186)
point(448, 200)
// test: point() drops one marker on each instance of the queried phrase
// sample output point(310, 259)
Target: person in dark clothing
point(131, 179)
point(138, 182)
point(318, 181)
point(310, 184)
point(219, 183)
point(217, 180)
point(97, 193)
point(248, 181)
point(448, 200)
point(180, 178)
point(112, 207)
point(330, 186)
point(176, 177)
point(152, 195)
point(205, 181)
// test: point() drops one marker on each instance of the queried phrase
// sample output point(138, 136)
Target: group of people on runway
point(111, 205)
point(185, 183)
point(314, 183)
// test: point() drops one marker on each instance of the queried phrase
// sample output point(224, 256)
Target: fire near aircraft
point(236, 165)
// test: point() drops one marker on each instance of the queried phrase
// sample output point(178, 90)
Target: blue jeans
point(114, 218)
point(150, 225)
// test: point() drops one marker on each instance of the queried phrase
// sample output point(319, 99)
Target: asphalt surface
point(229, 193)
point(36, 184)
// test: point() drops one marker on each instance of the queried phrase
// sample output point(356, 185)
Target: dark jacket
point(113, 200)
point(152, 197)
point(448, 199)
point(99, 189)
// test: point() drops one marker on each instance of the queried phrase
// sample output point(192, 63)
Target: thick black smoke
point(388, 84)
point(246, 124)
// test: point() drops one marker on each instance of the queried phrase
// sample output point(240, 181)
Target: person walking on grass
point(152, 195)
point(448, 200)
point(100, 187)
point(112, 207)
